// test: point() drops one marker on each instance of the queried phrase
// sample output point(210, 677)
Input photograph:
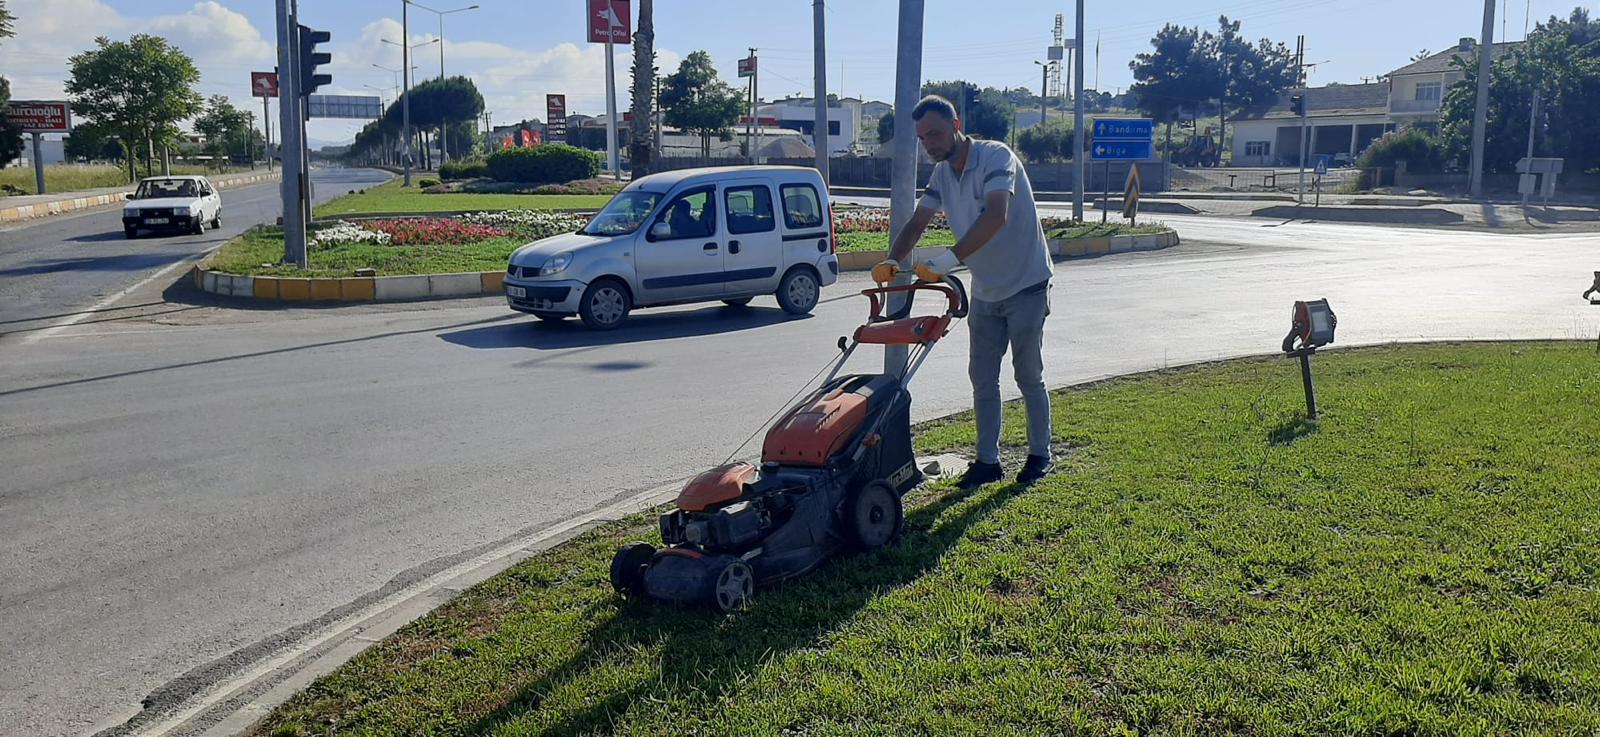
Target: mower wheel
point(874, 514)
point(734, 585)
point(627, 567)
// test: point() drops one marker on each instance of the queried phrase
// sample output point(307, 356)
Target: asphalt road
point(61, 265)
point(180, 488)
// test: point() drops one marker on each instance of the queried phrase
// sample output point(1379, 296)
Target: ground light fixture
point(1311, 327)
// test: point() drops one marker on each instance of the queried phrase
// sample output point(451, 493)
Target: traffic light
point(1298, 104)
point(310, 59)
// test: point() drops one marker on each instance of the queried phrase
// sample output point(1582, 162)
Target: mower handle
point(953, 290)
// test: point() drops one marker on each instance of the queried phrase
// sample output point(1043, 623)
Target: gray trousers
point(1017, 322)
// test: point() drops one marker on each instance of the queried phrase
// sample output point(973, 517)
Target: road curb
point(1060, 247)
point(73, 204)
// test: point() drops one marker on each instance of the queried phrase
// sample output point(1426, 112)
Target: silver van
point(695, 235)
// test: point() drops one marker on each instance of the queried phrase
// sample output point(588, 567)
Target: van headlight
point(557, 264)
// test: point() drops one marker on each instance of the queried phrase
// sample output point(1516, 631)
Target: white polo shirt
point(1018, 257)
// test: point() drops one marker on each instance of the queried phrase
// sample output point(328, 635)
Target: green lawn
point(1422, 562)
point(75, 177)
point(259, 251)
point(860, 240)
point(390, 197)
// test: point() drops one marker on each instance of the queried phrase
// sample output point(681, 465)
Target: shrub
point(1048, 142)
point(549, 163)
point(458, 170)
point(426, 183)
point(1423, 154)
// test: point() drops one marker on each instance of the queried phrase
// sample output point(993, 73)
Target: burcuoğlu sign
point(31, 116)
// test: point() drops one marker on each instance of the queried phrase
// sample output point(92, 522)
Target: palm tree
point(641, 148)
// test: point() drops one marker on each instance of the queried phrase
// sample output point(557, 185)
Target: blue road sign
point(1122, 150)
point(1136, 129)
point(1323, 160)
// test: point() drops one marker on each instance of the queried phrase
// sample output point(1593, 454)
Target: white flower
point(342, 232)
point(534, 223)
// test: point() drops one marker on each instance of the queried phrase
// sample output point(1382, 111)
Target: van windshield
point(623, 214)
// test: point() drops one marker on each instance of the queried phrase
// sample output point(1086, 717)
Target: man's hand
point(934, 269)
point(884, 272)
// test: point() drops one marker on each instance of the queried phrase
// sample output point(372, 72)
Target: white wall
point(1247, 131)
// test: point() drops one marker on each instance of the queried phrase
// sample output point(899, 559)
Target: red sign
point(263, 84)
point(747, 67)
point(506, 143)
point(531, 139)
point(39, 117)
point(610, 17)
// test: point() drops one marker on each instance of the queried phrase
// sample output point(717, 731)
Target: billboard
point(610, 17)
point(360, 107)
point(555, 120)
point(34, 116)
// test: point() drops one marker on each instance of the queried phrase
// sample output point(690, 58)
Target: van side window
point(691, 215)
point(749, 209)
point(801, 206)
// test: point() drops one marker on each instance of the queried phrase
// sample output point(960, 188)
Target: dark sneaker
point(1035, 469)
point(979, 474)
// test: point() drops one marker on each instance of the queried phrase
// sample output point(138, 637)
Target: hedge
point(551, 163)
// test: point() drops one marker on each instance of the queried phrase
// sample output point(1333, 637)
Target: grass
point(1422, 561)
point(74, 177)
point(259, 251)
point(391, 197)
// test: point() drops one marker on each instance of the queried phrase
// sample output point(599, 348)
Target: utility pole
point(819, 85)
point(1078, 138)
point(903, 182)
point(266, 127)
point(611, 100)
point(1044, 84)
point(1300, 66)
point(755, 107)
point(1480, 118)
point(1533, 117)
point(405, 76)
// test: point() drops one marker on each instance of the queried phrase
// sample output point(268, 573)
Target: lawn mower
point(833, 472)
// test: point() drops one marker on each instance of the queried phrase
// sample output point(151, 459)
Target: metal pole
point(1078, 138)
point(290, 143)
point(611, 109)
point(1311, 388)
point(903, 181)
point(38, 164)
point(1533, 116)
point(1044, 87)
point(819, 85)
point(755, 105)
point(405, 76)
point(266, 128)
point(1480, 117)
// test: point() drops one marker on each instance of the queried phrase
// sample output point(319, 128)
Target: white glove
point(934, 269)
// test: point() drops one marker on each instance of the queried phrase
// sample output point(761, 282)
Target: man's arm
point(909, 235)
point(996, 206)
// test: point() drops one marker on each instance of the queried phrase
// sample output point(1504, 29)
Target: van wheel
point(799, 291)
point(605, 305)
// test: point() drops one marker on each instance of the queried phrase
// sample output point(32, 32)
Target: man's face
point(938, 135)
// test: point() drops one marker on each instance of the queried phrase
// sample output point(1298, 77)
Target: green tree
point(886, 127)
point(696, 101)
point(438, 102)
point(91, 142)
point(10, 137)
point(226, 128)
point(1561, 62)
point(1247, 75)
point(139, 88)
point(1176, 77)
point(641, 147)
point(1049, 142)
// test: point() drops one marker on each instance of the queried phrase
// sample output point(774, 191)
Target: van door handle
point(710, 248)
point(733, 247)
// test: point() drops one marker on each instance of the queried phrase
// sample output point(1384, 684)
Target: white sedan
point(184, 204)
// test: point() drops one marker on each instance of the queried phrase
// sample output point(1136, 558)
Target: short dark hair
point(934, 104)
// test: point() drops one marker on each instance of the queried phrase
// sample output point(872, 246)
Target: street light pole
point(1078, 138)
point(405, 93)
point(444, 137)
point(1480, 117)
point(819, 84)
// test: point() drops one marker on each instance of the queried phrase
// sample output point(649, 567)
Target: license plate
point(155, 221)
point(517, 292)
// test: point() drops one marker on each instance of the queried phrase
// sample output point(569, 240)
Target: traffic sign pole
point(38, 164)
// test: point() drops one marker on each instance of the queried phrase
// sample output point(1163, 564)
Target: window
point(801, 207)
point(1258, 148)
point(1430, 91)
point(749, 209)
point(691, 215)
point(623, 214)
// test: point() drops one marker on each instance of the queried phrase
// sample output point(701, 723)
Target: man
point(985, 194)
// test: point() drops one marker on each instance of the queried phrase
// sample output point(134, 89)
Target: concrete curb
point(1400, 215)
point(1060, 247)
point(72, 204)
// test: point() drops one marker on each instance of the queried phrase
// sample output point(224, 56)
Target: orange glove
point(934, 269)
point(884, 272)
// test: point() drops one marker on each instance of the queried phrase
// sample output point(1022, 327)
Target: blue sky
point(519, 50)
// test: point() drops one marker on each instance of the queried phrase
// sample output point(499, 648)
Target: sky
point(519, 50)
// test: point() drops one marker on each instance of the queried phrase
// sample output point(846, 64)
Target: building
point(1416, 91)
point(799, 114)
point(1340, 121)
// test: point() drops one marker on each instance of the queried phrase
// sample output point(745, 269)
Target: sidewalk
point(29, 207)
